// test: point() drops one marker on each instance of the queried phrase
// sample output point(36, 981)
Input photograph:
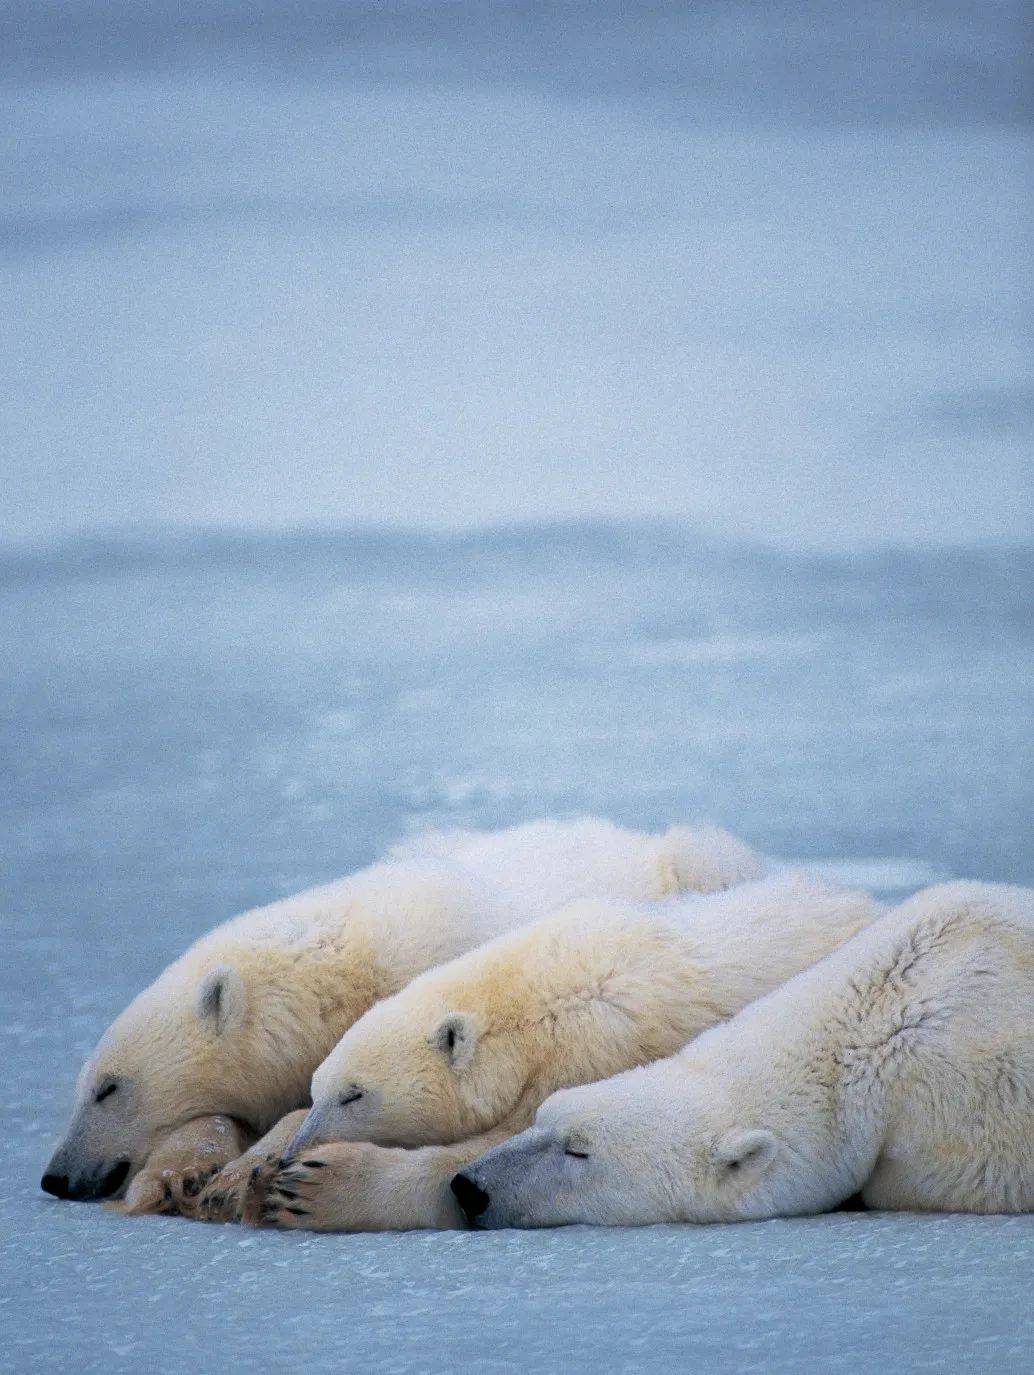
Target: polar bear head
point(647, 1146)
point(480, 1042)
point(443, 1060)
point(207, 1037)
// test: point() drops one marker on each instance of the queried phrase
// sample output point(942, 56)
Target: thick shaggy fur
point(237, 1025)
point(479, 1043)
point(901, 1066)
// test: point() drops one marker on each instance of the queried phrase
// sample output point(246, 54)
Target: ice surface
point(195, 726)
point(759, 265)
point(762, 265)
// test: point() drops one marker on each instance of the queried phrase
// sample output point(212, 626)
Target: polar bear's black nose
point(56, 1184)
point(471, 1199)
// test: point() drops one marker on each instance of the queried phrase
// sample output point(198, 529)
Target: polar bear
point(237, 1025)
point(901, 1066)
point(599, 987)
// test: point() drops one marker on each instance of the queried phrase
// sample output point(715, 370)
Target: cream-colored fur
point(595, 989)
point(182, 1164)
point(352, 1186)
point(222, 1200)
point(901, 1066)
point(237, 1025)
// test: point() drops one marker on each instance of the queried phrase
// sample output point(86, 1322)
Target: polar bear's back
point(292, 920)
point(997, 905)
point(541, 866)
point(944, 981)
point(434, 899)
point(960, 946)
point(493, 881)
point(969, 950)
point(761, 934)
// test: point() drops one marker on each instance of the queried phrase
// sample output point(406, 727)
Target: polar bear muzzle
point(103, 1182)
point(472, 1199)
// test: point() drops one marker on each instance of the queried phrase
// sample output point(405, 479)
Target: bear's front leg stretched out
point(347, 1186)
point(180, 1166)
point(353, 1186)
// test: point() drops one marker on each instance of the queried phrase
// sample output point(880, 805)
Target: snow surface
point(196, 725)
point(764, 266)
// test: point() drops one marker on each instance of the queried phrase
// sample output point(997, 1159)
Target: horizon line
point(156, 536)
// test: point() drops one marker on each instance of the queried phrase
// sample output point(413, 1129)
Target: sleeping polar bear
point(902, 1066)
point(235, 1027)
point(476, 1045)
point(598, 987)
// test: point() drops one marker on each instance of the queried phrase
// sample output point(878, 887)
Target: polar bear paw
point(223, 1199)
point(287, 1194)
point(166, 1191)
point(176, 1172)
point(312, 1193)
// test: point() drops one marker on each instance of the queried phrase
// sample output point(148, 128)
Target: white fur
point(596, 988)
point(238, 1024)
point(902, 1066)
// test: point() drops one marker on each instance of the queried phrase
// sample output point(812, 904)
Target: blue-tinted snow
point(194, 725)
point(762, 266)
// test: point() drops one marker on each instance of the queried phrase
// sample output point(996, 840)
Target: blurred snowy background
point(760, 265)
point(450, 413)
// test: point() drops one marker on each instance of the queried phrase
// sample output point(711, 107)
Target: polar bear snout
point(470, 1196)
point(104, 1182)
point(506, 1186)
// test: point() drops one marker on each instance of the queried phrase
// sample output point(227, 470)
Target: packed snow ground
point(193, 726)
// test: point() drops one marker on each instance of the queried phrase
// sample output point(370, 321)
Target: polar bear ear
point(456, 1037)
point(746, 1154)
point(221, 999)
